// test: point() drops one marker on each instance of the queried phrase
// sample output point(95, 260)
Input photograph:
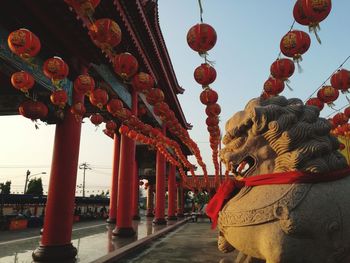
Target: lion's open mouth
point(244, 167)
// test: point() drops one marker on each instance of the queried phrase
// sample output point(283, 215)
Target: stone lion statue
point(284, 223)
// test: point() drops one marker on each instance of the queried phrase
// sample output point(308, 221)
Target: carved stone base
point(111, 220)
point(172, 217)
point(62, 254)
point(136, 217)
point(159, 221)
point(124, 232)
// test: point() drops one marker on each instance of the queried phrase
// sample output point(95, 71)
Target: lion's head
point(278, 135)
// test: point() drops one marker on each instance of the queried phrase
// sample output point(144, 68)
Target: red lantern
point(22, 80)
point(160, 108)
point(155, 96)
point(142, 110)
point(340, 119)
point(294, 44)
point(114, 105)
point(84, 84)
point(328, 94)
point(24, 43)
point(142, 82)
point(111, 125)
point(273, 86)
point(347, 112)
point(99, 98)
point(105, 33)
point(315, 102)
point(123, 129)
point(341, 80)
point(96, 119)
point(212, 121)
point(125, 65)
point(208, 96)
point(213, 109)
point(132, 134)
point(205, 74)
point(59, 98)
point(55, 68)
point(282, 68)
point(78, 109)
point(85, 7)
point(311, 12)
point(123, 114)
point(201, 37)
point(33, 109)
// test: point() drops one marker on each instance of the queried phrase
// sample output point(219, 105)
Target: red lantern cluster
point(24, 43)
point(155, 96)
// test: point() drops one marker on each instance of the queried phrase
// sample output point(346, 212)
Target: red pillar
point(160, 188)
point(114, 187)
point(56, 239)
point(125, 182)
point(180, 201)
point(135, 202)
point(150, 200)
point(171, 193)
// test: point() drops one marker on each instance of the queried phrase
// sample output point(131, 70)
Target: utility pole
point(25, 185)
point(84, 166)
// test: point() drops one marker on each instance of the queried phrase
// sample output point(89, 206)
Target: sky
point(249, 33)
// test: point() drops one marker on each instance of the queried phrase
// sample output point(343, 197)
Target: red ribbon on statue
point(229, 185)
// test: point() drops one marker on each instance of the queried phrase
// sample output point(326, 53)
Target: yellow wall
point(346, 151)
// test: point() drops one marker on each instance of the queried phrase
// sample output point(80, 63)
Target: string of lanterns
point(202, 38)
point(106, 34)
point(295, 43)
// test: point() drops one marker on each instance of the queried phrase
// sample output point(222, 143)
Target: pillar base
point(136, 217)
point(64, 254)
point(150, 215)
point(124, 232)
point(159, 221)
point(111, 221)
point(172, 217)
point(180, 215)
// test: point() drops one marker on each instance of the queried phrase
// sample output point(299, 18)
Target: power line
point(337, 110)
point(324, 82)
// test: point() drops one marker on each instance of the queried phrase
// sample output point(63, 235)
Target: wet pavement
point(191, 242)
point(92, 239)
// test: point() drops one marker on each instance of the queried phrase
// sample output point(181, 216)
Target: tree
point(35, 187)
point(5, 188)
